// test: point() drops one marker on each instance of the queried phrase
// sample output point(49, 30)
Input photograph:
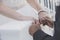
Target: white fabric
point(48, 30)
point(16, 30)
point(14, 3)
point(15, 25)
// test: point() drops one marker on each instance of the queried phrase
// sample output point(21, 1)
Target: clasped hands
point(44, 19)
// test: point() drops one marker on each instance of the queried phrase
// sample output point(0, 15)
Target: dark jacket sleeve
point(40, 35)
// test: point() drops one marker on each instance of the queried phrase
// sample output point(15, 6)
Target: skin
point(4, 10)
point(46, 21)
point(43, 18)
point(11, 13)
point(36, 25)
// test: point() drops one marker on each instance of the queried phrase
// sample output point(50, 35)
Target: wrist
point(41, 11)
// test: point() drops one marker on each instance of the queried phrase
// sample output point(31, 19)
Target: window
point(51, 5)
point(46, 3)
point(39, 1)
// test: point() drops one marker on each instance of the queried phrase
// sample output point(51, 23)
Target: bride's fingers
point(33, 22)
point(37, 22)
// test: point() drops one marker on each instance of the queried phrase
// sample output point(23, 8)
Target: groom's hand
point(48, 21)
point(45, 19)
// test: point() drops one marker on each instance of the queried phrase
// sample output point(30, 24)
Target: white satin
point(14, 3)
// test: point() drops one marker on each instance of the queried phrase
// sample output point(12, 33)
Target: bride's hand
point(34, 27)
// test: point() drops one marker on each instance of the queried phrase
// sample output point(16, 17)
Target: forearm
point(35, 5)
point(12, 13)
point(9, 12)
